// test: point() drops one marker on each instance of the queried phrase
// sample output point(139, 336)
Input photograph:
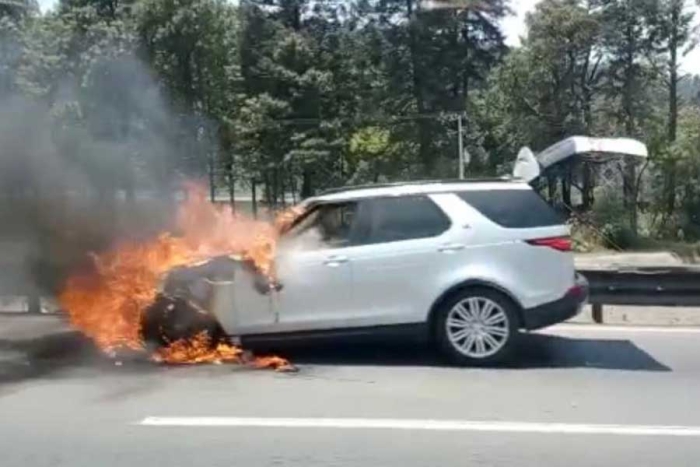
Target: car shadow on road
point(48, 357)
point(548, 351)
point(534, 351)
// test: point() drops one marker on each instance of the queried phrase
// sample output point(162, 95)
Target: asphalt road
point(576, 396)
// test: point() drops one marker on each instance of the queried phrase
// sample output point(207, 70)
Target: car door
point(314, 269)
point(397, 258)
point(244, 305)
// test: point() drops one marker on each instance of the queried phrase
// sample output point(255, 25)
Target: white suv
point(467, 264)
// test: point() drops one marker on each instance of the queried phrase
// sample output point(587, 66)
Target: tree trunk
point(465, 73)
point(587, 82)
point(425, 154)
point(212, 176)
point(672, 105)
point(267, 193)
point(629, 177)
point(254, 196)
point(306, 184)
point(629, 189)
point(551, 188)
point(566, 188)
point(231, 184)
point(283, 189)
point(293, 187)
point(275, 198)
point(587, 193)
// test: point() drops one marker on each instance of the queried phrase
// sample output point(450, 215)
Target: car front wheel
point(477, 327)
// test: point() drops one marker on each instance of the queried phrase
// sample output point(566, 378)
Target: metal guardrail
point(669, 286)
point(672, 286)
point(17, 290)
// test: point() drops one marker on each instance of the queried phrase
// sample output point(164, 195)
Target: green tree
point(307, 68)
point(687, 148)
point(547, 89)
point(675, 29)
point(435, 57)
point(10, 54)
point(370, 149)
point(17, 9)
point(630, 41)
point(565, 39)
point(107, 9)
point(192, 47)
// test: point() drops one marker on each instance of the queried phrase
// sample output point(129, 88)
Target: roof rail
point(412, 183)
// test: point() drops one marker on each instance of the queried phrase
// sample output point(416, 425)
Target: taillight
point(576, 291)
point(558, 243)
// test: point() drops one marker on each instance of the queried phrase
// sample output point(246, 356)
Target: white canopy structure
point(529, 166)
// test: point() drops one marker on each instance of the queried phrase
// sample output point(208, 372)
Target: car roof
point(414, 188)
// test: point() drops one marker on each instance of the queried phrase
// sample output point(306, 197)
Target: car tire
point(477, 327)
point(171, 319)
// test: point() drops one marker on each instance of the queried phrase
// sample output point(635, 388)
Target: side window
point(402, 218)
point(514, 209)
point(325, 226)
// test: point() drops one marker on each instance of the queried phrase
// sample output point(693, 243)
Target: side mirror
point(264, 286)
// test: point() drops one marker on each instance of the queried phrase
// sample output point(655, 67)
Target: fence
point(667, 286)
point(671, 286)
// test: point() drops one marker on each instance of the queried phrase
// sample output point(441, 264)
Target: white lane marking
point(429, 425)
point(593, 328)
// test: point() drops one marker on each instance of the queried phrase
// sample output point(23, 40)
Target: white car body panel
point(585, 145)
point(318, 289)
point(529, 166)
point(240, 308)
point(498, 256)
point(526, 166)
point(398, 282)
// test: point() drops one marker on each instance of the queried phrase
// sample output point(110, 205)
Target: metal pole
point(460, 150)
point(598, 313)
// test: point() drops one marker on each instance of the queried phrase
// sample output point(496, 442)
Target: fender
point(473, 283)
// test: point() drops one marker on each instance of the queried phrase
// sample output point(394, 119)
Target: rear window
point(513, 209)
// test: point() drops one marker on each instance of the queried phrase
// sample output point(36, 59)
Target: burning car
point(465, 264)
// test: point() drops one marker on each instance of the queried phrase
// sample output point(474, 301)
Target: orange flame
point(286, 218)
point(107, 304)
point(198, 350)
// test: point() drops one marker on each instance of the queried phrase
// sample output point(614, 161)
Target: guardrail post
point(34, 303)
point(598, 313)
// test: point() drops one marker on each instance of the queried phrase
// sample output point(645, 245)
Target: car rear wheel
point(477, 326)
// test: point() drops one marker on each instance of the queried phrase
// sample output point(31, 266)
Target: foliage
point(289, 97)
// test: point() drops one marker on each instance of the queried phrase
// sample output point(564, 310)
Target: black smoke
point(92, 162)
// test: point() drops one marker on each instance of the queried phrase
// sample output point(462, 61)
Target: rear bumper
point(559, 310)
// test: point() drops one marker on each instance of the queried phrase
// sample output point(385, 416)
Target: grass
point(688, 252)
point(587, 239)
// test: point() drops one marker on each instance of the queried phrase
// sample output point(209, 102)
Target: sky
point(514, 28)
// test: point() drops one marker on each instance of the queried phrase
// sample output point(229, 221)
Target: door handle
point(451, 247)
point(335, 261)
